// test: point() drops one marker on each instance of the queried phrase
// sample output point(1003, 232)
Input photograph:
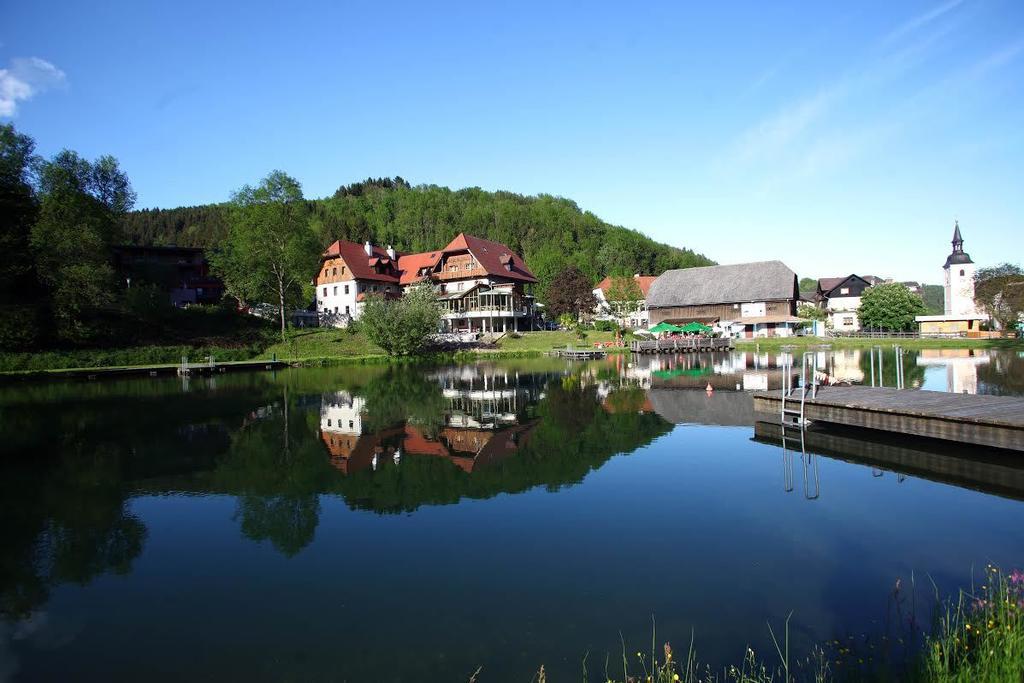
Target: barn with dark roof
point(744, 299)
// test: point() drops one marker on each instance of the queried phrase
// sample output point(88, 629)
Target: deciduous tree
point(570, 292)
point(890, 306)
point(999, 291)
point(270, 250)
point(79, 220)
point(624, 296)
point(402, 327)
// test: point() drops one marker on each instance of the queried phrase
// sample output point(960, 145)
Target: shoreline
point(281, 360)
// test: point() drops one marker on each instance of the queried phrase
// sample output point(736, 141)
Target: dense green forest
point(551, 233)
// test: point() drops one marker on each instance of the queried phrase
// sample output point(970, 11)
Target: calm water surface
point(374, 523)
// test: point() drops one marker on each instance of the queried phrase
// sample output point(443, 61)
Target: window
point(373, 288)
point(452, 269)
point(469, 266)
point(335, 271)
point(325, 291)
point(335, 290)
point(848, 321)
point(350, 424)
point(325, 272)
point(961, 272)
point(328, 422)
point(459, 286)
point(346, 310)
point(844, 290)
point(346, 289)
point(343, 270)
point(335, 309)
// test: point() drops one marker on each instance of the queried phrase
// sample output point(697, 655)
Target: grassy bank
point(977, 637)
point(776, 343)
point(75, 359)
point(542, 342)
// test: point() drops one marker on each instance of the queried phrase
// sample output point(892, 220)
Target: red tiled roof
point(494, 257)
point(412, 264)
point(359, 263)
point(642, 281)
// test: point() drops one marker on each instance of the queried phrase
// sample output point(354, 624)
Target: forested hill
point(550, 232)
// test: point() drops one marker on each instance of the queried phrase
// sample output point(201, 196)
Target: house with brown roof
point(483, 286)
point(349, 272)
point(634, 315)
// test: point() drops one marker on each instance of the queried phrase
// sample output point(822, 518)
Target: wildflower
point(675, 677)
point(968, 627)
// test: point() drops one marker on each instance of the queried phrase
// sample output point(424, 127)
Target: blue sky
point(836, 138)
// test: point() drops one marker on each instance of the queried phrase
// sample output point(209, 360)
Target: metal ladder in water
point(794, 419)
point(796, 415)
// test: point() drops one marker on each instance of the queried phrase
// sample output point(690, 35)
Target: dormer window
point(844, 290)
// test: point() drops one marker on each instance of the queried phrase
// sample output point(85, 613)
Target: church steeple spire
point(958, 255)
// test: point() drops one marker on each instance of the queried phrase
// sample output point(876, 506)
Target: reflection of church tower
point(959, 279)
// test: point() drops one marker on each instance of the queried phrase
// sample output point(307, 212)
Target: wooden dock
point(680, 345)
point(996, 421)
point(989, 471)
point(579, 354)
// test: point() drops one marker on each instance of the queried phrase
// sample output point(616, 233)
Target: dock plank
point(965, 418)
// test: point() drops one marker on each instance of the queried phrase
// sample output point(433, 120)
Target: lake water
point(410, 523)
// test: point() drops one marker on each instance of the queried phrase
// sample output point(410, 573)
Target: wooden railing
point(680, 344)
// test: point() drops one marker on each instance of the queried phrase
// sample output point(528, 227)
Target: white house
point(638, 317)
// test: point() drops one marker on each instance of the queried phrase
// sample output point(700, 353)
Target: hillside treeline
point(551, 233)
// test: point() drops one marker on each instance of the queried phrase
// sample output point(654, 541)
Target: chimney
point(368, 248)
point(391, 253)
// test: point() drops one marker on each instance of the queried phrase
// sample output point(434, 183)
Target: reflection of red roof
point(642, 281)
point(494, 257)
point(361, 265)
point(412, 264)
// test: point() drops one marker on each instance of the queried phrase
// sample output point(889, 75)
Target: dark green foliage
point(19, 289)
point(571, 293)
point(371, 184)
point(80, 206)
point(808, 284)
point(934, 299)
point(551, 233)
point(889, 306)
point(187, 226)
point(605, 326)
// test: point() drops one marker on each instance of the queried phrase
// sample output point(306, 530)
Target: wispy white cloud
point(24, 78)
point(999, 58)
point(921, 20)
point(827, 129)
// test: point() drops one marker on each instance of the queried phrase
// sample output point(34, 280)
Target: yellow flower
point(968, 627)
point(675, 677)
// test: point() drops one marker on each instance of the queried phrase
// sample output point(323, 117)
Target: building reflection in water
point(484, 421)
point(961, 367)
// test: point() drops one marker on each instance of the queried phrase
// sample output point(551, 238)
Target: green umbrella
point(695, 327)
point(665, 327)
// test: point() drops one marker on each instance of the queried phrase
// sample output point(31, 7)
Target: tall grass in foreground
point(980, 638)
point(977, 637)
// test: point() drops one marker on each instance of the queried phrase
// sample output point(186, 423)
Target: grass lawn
point(323, 343)
point(545, 341)
point(776, 343)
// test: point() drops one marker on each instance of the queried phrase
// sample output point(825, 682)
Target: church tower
point(959, 279)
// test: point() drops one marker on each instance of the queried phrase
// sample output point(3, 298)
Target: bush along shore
point(976, 637)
